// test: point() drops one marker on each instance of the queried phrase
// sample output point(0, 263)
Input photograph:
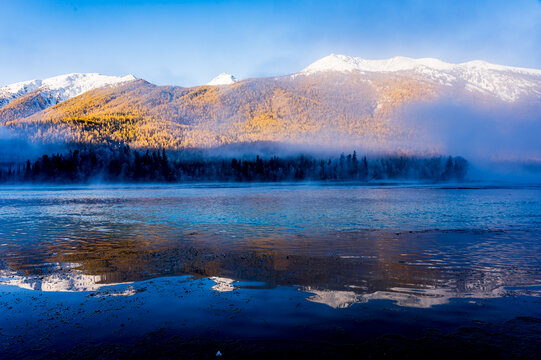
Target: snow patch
point(60, 88)
point(345, 63)
point(505, 82)
point(223, 79)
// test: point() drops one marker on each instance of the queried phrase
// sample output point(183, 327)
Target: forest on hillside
point(122, 164)
point(142, 115)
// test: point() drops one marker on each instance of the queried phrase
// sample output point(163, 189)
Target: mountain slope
point(302, 111)
point(26, 98)
point(505, 82)
point(338, 102)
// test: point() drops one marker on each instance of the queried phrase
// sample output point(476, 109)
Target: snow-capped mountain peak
point(223, 79)
point(344, 63)
point(72, 85)
point(60, 88)
point(505, 82)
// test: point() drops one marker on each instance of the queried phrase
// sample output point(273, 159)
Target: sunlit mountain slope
point(337, 101)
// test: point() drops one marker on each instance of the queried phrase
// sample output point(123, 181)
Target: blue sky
point(189, 42)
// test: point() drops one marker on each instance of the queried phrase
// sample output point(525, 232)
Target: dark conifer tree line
point(123, 164)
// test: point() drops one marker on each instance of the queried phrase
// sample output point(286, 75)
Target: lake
point(263, 269)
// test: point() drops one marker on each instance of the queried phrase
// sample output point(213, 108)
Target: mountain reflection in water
point(324, 240)
point(323, 268)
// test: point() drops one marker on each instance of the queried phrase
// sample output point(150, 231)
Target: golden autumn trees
point(305, 110)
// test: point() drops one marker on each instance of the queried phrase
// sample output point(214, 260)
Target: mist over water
point(16, 149)
point(501, 141)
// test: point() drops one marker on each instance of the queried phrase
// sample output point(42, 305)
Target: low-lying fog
point(500, 142)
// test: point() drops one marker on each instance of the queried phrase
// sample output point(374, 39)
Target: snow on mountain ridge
point(505, 82)
point(71, 85)
point(344, 63)
point(11, 92)
point(60, 88)
point(223, 79)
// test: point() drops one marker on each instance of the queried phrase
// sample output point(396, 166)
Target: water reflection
point(416, 247)
point(334, 299)
point(75, 281)
point(222, 284)
point(302, 264)
point(62, 281)
point(406, 297)
point(413, 269)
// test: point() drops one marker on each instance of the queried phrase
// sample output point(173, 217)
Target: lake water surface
point(84, 269)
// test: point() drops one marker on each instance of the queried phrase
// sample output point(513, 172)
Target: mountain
point(399, 104)
point(505, 82)
point(28, 97)
point(223, 79)
point(298, 111)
